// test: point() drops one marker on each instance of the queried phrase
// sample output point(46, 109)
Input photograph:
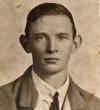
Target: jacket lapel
point(28, 96)
point(75, 99)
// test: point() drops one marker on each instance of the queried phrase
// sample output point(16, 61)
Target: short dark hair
point(48, 9)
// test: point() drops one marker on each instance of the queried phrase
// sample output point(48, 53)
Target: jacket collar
point(28, 96)
point(28, 93)
point(75, 97)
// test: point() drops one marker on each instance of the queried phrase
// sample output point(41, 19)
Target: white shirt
point(46, 93)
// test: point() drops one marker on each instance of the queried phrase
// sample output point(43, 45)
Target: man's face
point(51, 43)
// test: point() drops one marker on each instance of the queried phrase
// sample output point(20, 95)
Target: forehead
point(52, 22)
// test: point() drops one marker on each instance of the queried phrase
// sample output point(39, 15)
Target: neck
point(55, 80)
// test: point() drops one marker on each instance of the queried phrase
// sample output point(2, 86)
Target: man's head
point(50, 37)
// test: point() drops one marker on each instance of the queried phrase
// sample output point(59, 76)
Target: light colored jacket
point(22, 95)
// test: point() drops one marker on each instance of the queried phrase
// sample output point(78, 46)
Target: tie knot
point(56, 95)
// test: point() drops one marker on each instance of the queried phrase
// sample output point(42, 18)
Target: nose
point(52, 47)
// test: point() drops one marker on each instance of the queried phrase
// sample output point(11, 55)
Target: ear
point(25, 43)
point(77, 43)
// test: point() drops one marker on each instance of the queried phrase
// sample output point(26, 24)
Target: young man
point(51, 38)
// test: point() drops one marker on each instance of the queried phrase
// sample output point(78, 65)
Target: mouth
point(52, 60)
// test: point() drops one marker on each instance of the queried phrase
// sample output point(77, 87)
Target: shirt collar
point(47, 91)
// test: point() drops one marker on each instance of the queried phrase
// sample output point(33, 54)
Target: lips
point(51, 60)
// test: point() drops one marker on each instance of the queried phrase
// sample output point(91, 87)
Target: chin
point(52, 69)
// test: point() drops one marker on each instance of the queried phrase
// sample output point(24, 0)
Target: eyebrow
point(61, 33)
point(45, 34)
point(41, 33)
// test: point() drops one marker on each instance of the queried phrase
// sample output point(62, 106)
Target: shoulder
point(90, 101)
point(14, 85)
point(7, 97)
point(10, 90)
point(10, 93)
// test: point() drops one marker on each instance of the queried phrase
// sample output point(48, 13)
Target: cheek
point(38, 46)
point(67, 47)
point(66, 51)
point(38, 50)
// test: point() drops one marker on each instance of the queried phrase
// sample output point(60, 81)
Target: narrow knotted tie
point(55, 104)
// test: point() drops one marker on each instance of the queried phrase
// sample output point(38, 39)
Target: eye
point(62, 36)
point(39, 37)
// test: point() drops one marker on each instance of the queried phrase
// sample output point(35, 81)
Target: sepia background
point(84, 65)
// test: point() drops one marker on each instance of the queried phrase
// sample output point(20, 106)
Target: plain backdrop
point(84, 66)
